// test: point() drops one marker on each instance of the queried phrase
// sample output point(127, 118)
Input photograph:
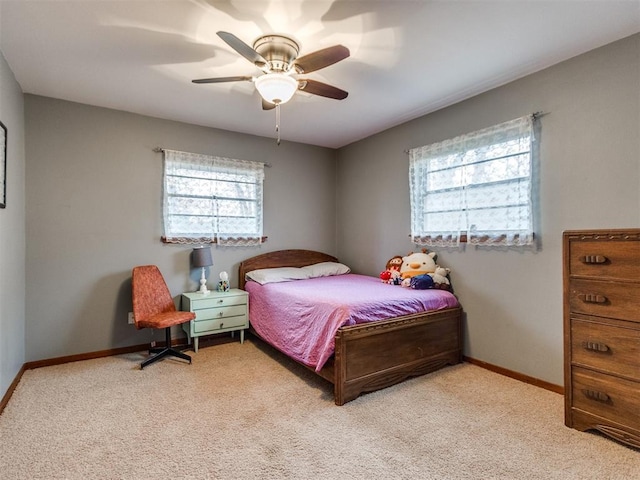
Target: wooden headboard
point(281, 258)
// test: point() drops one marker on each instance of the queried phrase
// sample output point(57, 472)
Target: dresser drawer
point(617, 259)
point(605, 299)
point(219, 323)
point(220, 301)
point(605, 347)
point(611, 398)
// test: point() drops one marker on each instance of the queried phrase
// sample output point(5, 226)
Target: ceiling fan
point(277, 57)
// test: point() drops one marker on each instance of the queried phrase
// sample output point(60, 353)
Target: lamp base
point(203, 284)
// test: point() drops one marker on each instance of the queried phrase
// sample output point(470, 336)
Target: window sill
point(481, 240)
point(202, 240)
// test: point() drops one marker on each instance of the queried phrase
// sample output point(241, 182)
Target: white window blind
point(475, 188)
point(209, 199)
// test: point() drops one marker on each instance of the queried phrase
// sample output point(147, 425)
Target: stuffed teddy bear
point(440, 275)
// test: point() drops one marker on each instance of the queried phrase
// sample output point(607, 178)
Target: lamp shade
point(201, 257)
point(276, 88)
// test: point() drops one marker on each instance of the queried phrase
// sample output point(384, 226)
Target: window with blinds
point(475, 188)
point(208, 199)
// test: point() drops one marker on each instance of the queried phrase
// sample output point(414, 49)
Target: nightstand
point(216, 312)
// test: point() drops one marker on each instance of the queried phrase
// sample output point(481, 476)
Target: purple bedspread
point(301, 317)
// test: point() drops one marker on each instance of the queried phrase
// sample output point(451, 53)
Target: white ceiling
point(408, 58)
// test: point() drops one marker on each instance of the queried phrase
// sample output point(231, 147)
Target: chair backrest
point(150, 293)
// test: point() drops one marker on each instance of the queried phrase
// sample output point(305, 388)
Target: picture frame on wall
point(3, 166)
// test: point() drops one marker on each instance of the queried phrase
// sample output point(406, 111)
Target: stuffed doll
point(391, 274)
point(395, 263)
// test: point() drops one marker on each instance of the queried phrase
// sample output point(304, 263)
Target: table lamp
point(201, 258)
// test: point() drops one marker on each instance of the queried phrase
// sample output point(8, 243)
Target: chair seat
point(166, 319)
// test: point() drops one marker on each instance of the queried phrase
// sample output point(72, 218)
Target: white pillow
point(279, 274)
point(326, 269)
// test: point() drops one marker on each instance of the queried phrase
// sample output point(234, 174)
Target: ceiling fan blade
point(223, 79)
point(321, 58)
point(243, 49)
point(318, 88)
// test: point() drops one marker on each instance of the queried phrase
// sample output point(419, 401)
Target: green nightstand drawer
point(219, 301)
point(216, 313)
point(219, 324)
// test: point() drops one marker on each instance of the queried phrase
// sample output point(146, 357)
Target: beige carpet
point(243, 412)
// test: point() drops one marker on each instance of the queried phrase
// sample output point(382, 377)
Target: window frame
point(514, 145)
point(221, 182)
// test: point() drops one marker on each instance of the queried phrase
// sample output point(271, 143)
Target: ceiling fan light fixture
point(276, 88)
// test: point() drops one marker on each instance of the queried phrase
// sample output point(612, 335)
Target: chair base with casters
point(166, 351)
point(153, 307)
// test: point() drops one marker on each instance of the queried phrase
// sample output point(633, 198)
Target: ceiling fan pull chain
point(278, 122)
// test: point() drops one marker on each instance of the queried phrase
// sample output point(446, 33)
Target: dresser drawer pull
point(592, 298)
point(594, 259)
point(221, 301)
point(221, 314)
point(595, 347)
point(597, 396)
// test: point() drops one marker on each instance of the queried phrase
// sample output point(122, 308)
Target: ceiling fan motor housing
point(278, 50)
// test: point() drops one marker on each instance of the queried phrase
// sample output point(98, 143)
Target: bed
point(368, 356)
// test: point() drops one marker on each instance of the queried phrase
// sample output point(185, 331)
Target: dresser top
point(604, 234)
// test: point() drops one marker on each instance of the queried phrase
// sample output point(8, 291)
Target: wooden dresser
point(602, 332)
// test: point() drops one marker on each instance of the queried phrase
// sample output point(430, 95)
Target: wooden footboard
point(374, 356)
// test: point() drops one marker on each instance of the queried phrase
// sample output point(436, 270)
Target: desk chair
point(153, 307)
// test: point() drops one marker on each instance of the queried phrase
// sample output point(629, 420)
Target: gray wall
point(93, 209)
point(589, 178)
point(94, 212)
point(12, 233)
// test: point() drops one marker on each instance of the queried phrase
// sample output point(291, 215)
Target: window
point(210, 199)
point(475, 188)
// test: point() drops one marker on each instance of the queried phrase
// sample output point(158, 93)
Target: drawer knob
point(594, 259)
point(221, 301)
point(221, 314)
point(597, 396)
point(596, 347)
point(592, 298)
